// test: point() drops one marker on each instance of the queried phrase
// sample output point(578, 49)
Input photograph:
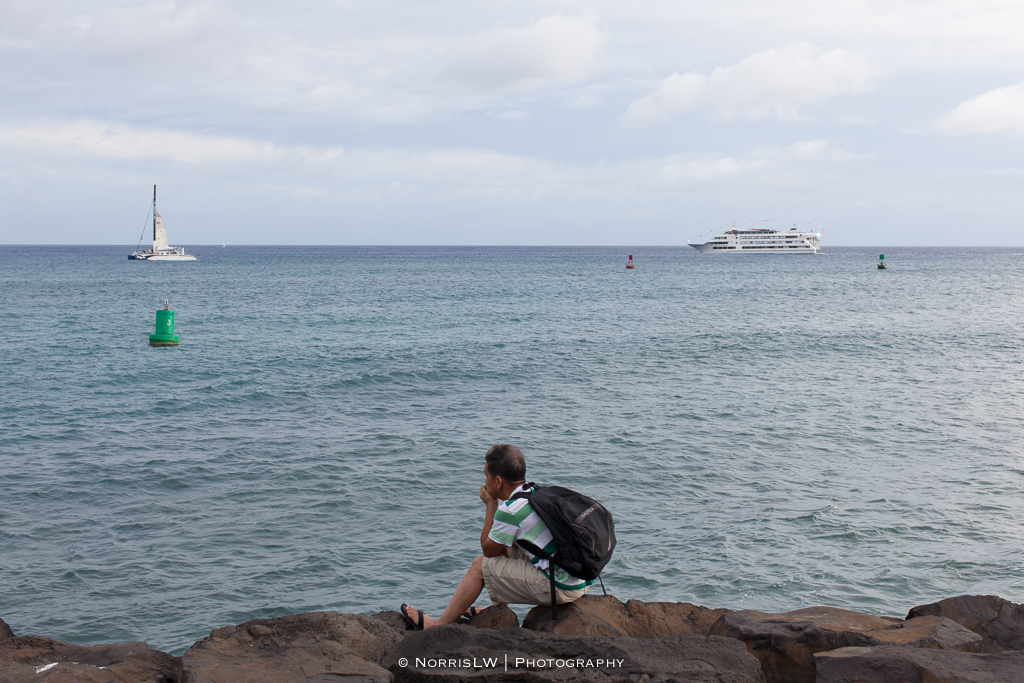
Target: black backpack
point(583, 530)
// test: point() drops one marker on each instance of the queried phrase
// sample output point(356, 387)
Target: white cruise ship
point(762, 241)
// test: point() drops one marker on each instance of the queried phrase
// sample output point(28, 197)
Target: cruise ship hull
point(708, 249)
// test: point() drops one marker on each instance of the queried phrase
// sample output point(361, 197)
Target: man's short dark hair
point(506, 461)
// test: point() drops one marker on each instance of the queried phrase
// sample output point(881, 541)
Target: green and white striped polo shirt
point(515, 519)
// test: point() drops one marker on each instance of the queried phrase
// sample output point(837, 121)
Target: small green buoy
point(881, 261)
point(164, 328)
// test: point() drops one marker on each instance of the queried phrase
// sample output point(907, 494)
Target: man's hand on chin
point(486, 497)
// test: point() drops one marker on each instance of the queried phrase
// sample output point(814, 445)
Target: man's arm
point(490, 547)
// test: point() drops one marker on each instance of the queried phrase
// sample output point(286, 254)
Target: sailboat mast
point(154, 213)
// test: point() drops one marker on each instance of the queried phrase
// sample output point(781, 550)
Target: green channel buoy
point(164, 335)
point(881, 261)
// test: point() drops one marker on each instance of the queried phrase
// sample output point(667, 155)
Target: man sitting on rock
point(510, 573)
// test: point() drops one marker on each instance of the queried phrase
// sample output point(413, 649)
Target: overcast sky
point(500, 122)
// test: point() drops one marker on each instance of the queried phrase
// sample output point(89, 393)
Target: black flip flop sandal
point(416, 625)
point(471, 612)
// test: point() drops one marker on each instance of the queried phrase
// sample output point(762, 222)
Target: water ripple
point(769, 433)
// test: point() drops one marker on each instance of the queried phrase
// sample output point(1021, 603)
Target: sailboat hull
point(171, 257)
point(149, 256)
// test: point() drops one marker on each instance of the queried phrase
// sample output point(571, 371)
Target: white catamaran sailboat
point(160, 250)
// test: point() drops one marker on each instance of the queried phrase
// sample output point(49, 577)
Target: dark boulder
point(44, 660)
point(392, 619)
point(1000, 623)
point(460, 653)
point(893, 664)
point(495, 617)
point(299, 648)
point(935, 633)
point(606, 615)
point(785, 644)
point(5, 631)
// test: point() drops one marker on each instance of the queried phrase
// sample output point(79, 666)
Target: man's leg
point(465, 595)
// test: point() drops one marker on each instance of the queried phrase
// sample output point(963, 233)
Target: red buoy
point(629, 263)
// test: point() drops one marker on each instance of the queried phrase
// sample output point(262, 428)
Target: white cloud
point(768, 83)
point(929, 37)
point(511, 115)
point(555, 49)
point(364, 174)
point(118, 141)
point(851, 120)
point(358, 175)
point(702, 169)
point(765, 164)
point(997, 111)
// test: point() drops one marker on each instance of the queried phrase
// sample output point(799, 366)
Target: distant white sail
point(159, 233)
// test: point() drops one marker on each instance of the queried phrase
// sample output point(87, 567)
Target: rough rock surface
point(785, 644)
point(495, 617)
point(893, 664)
point(607, 640)
point(606, 615)
point(393, 619)
point(44, 660)
point(936, 633)
point(999, 622)
point(463, 654)
point(5, 631)
point(301, 648)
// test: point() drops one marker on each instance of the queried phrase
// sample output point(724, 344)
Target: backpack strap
point(539, 552)
point(525, 494)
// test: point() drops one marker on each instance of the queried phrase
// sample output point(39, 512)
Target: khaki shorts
point(514, 579)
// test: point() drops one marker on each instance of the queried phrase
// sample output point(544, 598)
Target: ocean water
point(769, 432)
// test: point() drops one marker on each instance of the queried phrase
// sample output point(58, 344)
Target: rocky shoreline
point(966, 639)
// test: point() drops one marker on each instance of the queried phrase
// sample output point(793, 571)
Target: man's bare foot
point(418, 619)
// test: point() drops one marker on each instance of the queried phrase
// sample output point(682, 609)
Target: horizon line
point(533, 246)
